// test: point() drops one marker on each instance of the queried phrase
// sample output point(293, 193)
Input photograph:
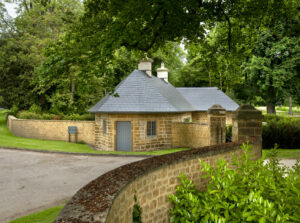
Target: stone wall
point(52, 129)
point(191, 135)
point(109, 198)
point(140, 140)
point(202, 117)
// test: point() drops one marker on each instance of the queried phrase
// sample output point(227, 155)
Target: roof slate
point(202, 98)
point(139, 93)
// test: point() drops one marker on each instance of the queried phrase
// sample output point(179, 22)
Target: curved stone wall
point(110, 198)
point(52, 129)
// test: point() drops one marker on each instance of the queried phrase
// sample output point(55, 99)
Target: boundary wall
point(52, 129)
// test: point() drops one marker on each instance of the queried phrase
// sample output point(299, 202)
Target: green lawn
point(7, 139)
point(285, 153)
point(45, 216)
point(281, 111)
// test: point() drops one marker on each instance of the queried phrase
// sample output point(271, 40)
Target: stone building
point(148, 113)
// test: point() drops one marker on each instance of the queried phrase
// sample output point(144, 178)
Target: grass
point(7, 139)
point(281, 111)
point(285, 153)
point(45, 216)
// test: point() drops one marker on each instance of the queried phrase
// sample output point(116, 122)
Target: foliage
point(136, 212)
point(45, 216)
point(284, 131)
point(37, 25)
point(48, 116)
point(247, 191)
point(273, 69)
point(228, 133)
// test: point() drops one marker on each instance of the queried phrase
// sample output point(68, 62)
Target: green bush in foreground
point(249, 191)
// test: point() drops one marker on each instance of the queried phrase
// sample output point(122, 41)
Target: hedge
point(284, 131)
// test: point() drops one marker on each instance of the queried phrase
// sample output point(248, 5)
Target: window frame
point(151, 129)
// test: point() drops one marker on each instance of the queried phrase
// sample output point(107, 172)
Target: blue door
point(124, 136)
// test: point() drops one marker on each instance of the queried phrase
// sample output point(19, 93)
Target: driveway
point(31, 181)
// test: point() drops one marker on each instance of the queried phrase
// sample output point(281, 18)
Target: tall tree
point(38, 24)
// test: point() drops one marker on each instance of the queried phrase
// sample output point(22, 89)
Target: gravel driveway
point(31, 181)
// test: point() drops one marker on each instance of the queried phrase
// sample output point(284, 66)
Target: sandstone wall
point(140, 141)
point(191, 135)
point(110, 197)
point(52, 129)
point(202, 117)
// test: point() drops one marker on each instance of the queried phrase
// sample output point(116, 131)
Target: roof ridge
point(197, 88)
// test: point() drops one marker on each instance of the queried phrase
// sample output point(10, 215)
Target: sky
point(10, 9)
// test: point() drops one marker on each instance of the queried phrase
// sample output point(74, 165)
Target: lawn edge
point(72, 153)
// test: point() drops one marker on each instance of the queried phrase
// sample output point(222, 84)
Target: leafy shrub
point(14, 110)
point(136, 212)
point(284, 131)
point(78, 117)
point(249, 191)
point(48, 116)
point(35, 109)
point(229, 133)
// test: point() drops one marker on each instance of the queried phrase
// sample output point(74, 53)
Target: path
point(31, 181)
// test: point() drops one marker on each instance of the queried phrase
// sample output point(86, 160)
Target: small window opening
point(151, 128)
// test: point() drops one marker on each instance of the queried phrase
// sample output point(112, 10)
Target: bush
point(229, 133)
point(48, 116)
point(249, 191)
point(35, 109)
point(284, 131)
point(13, 110)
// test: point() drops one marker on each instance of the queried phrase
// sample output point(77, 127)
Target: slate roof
point(139, 93)
point(202, 98)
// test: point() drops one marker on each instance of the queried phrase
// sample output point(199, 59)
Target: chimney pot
point(162, 72)
point(146, 65)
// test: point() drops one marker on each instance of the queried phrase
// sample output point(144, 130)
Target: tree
point(36, 26)
point(148, 24)
point(272, 70)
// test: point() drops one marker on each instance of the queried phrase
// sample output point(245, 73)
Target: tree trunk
point(290, 106)
point(271, 108)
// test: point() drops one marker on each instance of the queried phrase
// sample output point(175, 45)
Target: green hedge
point(284, 131)
point(49, 116)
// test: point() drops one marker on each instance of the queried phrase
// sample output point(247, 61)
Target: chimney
point(162, 72)
point(146, 65)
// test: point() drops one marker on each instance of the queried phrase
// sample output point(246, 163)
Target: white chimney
point(162, 72)
point(146, 65)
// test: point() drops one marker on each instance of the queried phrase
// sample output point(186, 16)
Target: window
point(104, 127)
point(151, 128)
point(186, 120)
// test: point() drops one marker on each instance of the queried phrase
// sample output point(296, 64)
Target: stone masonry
point(217, 124)
point(52, 129)
point(110, 197)
point(173, 130)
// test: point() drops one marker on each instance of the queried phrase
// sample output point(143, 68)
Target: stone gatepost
point(217, 124)
point(247, 124)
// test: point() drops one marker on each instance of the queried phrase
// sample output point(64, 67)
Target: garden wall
point(191, 135)
point(52, 129)
point(110, 198)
